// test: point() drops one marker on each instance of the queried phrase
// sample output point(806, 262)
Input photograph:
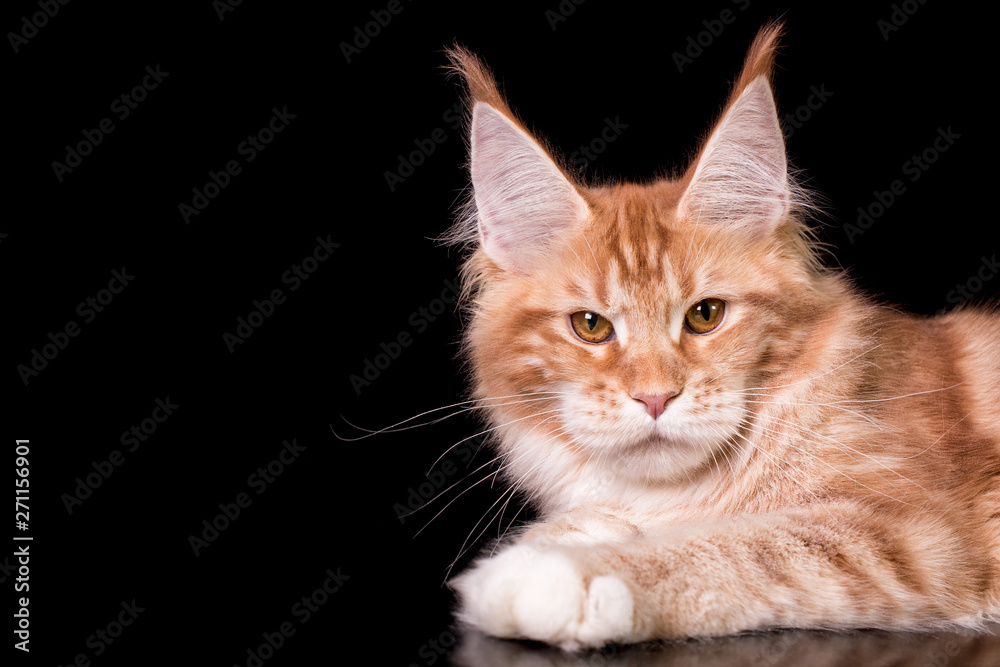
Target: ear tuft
point(479, 81)
point(741, 177)
point(523, 203)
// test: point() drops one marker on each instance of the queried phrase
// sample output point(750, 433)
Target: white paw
point(524, 593)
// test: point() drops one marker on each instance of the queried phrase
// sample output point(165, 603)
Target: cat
point(719, 432)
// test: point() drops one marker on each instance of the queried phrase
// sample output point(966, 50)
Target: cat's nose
point(655, 403)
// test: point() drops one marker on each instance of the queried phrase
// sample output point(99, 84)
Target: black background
point(324, 176)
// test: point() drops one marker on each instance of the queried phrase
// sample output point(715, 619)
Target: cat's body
point(754, 444)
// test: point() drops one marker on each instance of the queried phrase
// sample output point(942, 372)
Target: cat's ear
point(524, 203)
point(740, 177)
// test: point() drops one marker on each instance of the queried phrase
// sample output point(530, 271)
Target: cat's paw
point(546, 596)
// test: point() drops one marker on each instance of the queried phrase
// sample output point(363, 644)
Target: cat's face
point(688, 317)
point(628, 326)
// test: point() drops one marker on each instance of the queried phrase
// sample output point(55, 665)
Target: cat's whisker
point(820, 459)
point(441, 493)
point(931, 446)
point(484, 432)
point(896, 398)
point(722, 372)
point(452, 486)
point(814, 377)
point(510, 492)
point(711, 450)
point(500, 529)
point(779, 467)
point(860, 415)
point(725, 451)
point(489, 475)
point(395, 427)
point(438, 420)
point(462, 548)
point(510, 524)
point(463, 492)
point(847, 447)
point(503, 510)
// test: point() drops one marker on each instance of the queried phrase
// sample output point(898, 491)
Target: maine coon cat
point(720, 433)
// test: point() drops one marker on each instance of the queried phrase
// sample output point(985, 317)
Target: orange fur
point(832, 462)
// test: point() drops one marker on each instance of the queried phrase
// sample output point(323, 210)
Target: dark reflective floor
point(774, 649)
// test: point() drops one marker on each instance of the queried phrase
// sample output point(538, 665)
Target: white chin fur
point(634, 445)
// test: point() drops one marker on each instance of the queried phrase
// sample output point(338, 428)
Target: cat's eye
point(591, 327)
point(705, 316)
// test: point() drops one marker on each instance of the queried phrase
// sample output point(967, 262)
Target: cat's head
point(625, 327)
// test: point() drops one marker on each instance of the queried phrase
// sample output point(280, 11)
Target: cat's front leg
point(545, 586)
point(547, 592)
point(595, 524)
point(822, 567)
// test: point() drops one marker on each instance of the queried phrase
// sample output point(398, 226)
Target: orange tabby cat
point(720, 433)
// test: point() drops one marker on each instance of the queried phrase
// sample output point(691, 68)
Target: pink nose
point(655, 403)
